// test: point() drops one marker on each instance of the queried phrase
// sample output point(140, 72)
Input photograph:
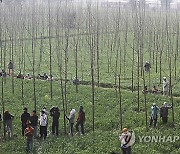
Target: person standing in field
point(154, 114)
point(125, 138)
point(43, 125)
point(165, 86)
point(7, 117)
point(80, 120)
point(147, 66)
point(25, 119)
point(34, 122)
point(29, 131)
point(54, 112)
point(164, 112)
point(71, 121)
point(10, 68)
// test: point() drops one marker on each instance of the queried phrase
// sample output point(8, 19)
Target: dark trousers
point(55, 127)
point(153, 120)
point(29, 144)
point(71, 128)
point(126, 150)
point(165, 119)
point(82, 126)
point(24, 126)
point(43, 132)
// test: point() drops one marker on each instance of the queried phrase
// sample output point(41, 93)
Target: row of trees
point(90, 43)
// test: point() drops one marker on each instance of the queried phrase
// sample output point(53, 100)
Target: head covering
point(164, 77)
point(44, 109)
point(165, 104)
point(73, 111)
point(124, 130)
point(154, 104)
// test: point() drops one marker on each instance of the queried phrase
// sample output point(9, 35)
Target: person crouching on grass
point(29, 137)
point(125, 138)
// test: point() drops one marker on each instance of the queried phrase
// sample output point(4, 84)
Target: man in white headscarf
point(165, 86)
point(71, 121)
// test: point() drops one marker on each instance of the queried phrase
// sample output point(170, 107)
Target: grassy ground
point(105, 138)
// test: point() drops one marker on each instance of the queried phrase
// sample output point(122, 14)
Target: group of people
point(163, 113)
point(165, 84)
point(155, 90)
point(80, 121)
point(30, 123)
point(126, 137)
point(44, 76)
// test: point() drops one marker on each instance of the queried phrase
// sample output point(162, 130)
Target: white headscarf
point(73, 111)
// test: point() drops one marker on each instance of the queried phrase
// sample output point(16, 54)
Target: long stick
point(145, 106)
point(33, 55)
point(50, 51)
point(120, 102)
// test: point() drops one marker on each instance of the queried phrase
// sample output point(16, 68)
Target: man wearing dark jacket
point(80, 120)
point(25, 117)
point(164, 112)
point(7, 117)
point(34, 122)
point(10, 68)
point(147, 66)
point(54, 112)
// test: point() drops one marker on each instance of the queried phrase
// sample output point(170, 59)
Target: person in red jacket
point(80, 120)
point(29, 131)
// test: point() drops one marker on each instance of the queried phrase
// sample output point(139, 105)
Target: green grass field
point(28, 30)
point(107, 127)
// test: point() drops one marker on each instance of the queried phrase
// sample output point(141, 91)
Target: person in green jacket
point(154, 114)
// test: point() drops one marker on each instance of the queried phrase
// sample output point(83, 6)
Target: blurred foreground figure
point(125, 139)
